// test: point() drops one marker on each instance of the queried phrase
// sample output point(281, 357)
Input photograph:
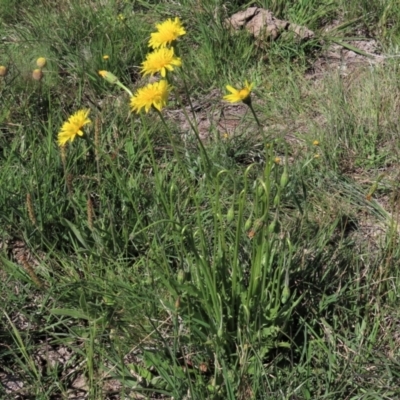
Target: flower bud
point(37, 74)
point(181, 276)
point(3, 70)
point(285, 294)
point(41, 62)
point(272, 226)
point(178, 303)
point(248, 223)
point(284, 178)
point(108, 76)
point(230, 215)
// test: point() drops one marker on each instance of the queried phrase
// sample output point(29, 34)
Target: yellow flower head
point(3, 70)
point(160, 61)
point(41, 62)
point(239, 94)
point(73, 127)
point(154, 94)
point(106, 57)
point(167, 32)
point(315, 143)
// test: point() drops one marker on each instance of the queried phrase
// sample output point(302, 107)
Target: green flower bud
point(284, 179)
point(108, 76)
point(248, 223)
point(272, 226)
point(285, 294)
point(230, 215)
point(181, 276)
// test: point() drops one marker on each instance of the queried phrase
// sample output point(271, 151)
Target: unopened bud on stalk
point(272, 226)
point(284, 178)
point(108, 76)
point(285, 294)
point(178, 303)
point(230, 215)
point(3, 70)
point(181, 276)
point(41, 62)
point(37, 74)
point(258, 223)
point(220, 333)
point(248, 224)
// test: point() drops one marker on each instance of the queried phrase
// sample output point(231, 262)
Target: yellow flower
point(315, 143)
point(3, 70)
point(317, 156)
point(106, 57)
point(121, 17)
point(167, 32)
point(41, 62)
point(239, 94)
point(154, 94)
point(73, 127)
point(277, 160)
point(160, 61)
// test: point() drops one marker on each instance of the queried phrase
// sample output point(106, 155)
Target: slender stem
point(188, 96)
point(254, 114)
point(195, 129)
point(178, 158)
point(118, 83)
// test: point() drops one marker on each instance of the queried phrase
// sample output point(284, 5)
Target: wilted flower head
point(239, 94)
point(160, 61)
point(41, 62)
point(37, 74)
point(167, 32)
point(153, 95)
point(73, 126)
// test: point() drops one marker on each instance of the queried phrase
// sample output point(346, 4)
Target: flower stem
point(254, 114)
point(178, 158)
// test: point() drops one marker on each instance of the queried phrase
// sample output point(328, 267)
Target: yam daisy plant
point(242, 95)
point(167, 32)
point(161, 61)
point(73, 127)
point(238, 95)
point(153, 95)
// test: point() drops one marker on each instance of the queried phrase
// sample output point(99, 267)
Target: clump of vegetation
point(170, 232)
